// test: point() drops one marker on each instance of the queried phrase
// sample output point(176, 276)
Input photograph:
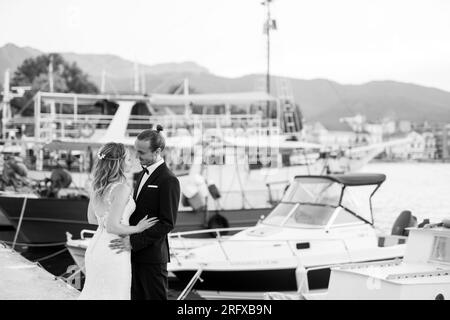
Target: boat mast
point(50, 74)
point(6, 109)
point(268, 25)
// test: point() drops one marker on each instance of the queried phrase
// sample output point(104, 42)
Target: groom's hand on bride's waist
point(121, 244)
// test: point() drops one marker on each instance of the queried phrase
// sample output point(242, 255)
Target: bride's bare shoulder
point(120, 188)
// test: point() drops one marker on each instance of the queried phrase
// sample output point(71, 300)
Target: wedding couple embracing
point(128, 255)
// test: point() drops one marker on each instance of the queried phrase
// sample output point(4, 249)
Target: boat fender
point(214, 191)
point(184, 200)
point(301, 277)
point(218, 221)
point(403, 221)
point(87, 130)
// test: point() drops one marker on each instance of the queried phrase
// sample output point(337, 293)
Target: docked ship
point(235, 154)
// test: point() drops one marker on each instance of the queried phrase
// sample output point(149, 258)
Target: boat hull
point(254, 280)
point(46, 220)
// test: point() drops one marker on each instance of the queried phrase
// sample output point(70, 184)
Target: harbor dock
point(21, 279)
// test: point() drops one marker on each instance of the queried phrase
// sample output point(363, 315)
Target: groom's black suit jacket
point(159, 197)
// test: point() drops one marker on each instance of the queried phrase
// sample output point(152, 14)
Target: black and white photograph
point(248, 151)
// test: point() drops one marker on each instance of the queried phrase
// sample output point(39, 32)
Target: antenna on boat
point(187, 107)
point(136, 77)
point(268, 25)
point(6, 110)
point(143, 84)
point(50, 74)
point(52, 88)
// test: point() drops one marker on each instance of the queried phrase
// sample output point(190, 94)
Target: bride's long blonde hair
point(109, 167)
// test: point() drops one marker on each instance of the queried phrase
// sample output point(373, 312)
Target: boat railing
point(217, 232)
point(69, 125)
point(205, 121)
point(362, 265)
point(177, 119)
point(409, 275)
point(220, 240)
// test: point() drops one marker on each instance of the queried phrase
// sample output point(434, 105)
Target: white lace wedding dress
point(108, 273)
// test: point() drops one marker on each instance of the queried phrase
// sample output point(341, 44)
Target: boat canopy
point(160, 99)
point(351, 179)
point(325, 200)
point(211, 99)
point(85, 99)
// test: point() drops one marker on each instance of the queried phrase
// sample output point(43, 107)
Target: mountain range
point(319, 99)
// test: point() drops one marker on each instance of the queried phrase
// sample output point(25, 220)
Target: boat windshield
point(313, 191)
point(298, 215)
point(308, 201)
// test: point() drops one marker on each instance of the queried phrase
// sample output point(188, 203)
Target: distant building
point(415, 150)
point(375, 132)
point(421, 147)
point(430, 151)
point(313, 131)
point(404, 126)
point(356, 123)
point(442, 137)
point(389, 127)
point(366, 131)
point(338, 134)
point(422, 127)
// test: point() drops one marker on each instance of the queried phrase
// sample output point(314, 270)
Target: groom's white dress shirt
point(151, 168)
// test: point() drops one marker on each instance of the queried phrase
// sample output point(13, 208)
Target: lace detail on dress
point(102, 215)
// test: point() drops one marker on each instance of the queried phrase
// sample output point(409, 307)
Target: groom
point(157, 194)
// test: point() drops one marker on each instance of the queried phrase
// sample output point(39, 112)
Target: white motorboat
point(320, 221)
point(424, 272)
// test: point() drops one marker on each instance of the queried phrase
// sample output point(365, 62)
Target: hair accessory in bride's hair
point(101, 156)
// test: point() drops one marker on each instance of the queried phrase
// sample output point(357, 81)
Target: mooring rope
point(50, 255)
point(20, 221)
point(51, 244)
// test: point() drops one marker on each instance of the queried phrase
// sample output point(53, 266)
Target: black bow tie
point(145, 169)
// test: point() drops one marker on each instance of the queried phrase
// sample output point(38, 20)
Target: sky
point(348, 41)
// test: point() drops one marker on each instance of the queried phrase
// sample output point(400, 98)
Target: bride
point(108, 273)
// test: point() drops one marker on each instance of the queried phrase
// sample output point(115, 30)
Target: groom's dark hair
point(154, 137)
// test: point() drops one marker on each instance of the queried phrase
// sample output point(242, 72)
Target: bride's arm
point(92, 219)
point(120, 197)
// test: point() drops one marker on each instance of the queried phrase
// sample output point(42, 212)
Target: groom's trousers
point(149, 281)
